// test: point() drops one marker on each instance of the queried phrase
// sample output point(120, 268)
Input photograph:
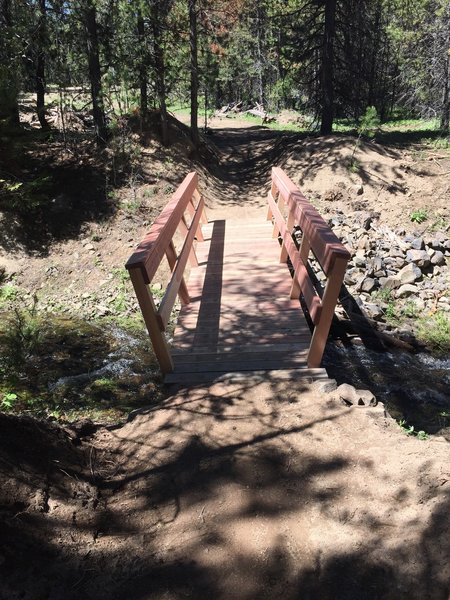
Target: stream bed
point(414, 388)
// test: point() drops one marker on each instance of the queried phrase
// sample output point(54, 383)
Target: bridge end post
point(329, 300)
point(149, 312)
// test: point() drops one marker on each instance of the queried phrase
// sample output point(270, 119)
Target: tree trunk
point(142, 66)
point(90, 22)
point(160, 70)
point(445, 113)
point(194, 71)
point(9, 108)
point(40, 65)
point(260, 57)
point(327, 68)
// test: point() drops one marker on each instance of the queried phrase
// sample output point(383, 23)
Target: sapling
point(367, 128)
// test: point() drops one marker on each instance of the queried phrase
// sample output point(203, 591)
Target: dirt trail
point(271, 490)
point(243, 490)
point(246, 490)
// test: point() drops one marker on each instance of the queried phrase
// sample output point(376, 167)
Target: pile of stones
point(393, 265)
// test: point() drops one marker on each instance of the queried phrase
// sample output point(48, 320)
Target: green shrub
point(20, 341)
point(434, 332)
point(419, 216)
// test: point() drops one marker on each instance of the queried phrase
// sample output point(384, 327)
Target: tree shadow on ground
point(201, 507)
point(62, 189)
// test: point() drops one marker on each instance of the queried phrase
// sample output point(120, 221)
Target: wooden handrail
point(317, 237)
point(145, 260)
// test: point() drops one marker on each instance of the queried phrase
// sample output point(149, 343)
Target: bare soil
point(241, 490)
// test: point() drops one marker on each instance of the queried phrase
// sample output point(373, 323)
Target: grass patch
point(409, 430)
point(70, 369)
point(8, 293)
point(419, 216)
point(434, 332)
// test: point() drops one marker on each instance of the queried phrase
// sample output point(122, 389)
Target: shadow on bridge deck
point(240, 318)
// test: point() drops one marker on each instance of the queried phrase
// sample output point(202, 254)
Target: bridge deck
point(240, 318)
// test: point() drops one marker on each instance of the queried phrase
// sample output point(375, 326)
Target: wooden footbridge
point(241, 309)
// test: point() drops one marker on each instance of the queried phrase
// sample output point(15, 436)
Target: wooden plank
point(235, 356)
point(248, 365)
point(176, 280)
point(247, 349)
point(149, 253)
point(256, 306)
point(297, 374)
point(217, 340)
point(289, 320)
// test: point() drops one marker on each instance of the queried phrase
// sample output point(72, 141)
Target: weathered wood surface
point(240, 318)
point(317, 237)
point(145, 260)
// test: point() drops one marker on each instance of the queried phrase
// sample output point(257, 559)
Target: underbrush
point(431, 331)
point(69, 369)
point(434, 332)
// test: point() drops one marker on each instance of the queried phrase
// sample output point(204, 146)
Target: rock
point(351, 276)
point(417, 243)
point(360, 258)
point(419, 257)
point(373, 311)
point(406, 290)
point(396, 252)
point(326, 386)
point(409, 274)
point(353, 397)
point(89, 247)
point(390, 283)
point(363, 243)
point(375, 267)
point(395, 261)
point(438, 258)
point(368, 285)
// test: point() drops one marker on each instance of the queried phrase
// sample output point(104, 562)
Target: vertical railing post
point(148, 308)
point(171, 255)
point(290, 227)
point(274, 192)
point(329, 300)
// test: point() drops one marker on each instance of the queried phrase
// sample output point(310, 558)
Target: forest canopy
point(328, 59)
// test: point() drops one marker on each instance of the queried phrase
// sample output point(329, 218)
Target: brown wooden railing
point(144, 262)
point(285, 198)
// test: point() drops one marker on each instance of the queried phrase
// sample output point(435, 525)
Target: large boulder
point(419, 257)
point(409, 274)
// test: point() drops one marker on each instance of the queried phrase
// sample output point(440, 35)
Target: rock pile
point(390, 265)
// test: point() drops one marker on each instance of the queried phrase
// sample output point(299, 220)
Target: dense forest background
point(328, 59)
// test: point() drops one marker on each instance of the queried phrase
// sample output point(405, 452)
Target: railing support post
point(149, 313)
point(330, 297)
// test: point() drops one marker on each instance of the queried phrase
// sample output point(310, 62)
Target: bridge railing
point(185, 212)
point(286, 199)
